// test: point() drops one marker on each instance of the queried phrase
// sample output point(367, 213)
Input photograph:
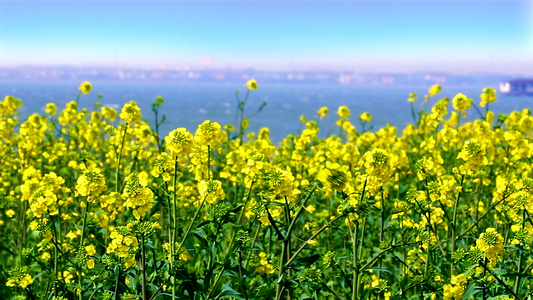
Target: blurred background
point(368, 55)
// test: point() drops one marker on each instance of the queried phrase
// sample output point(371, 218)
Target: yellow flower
point(137, 194)
point(45, 256)
point(252, 84)
point(490, 242)
point(473, 153)
point(10, 213)
point(109, 113)
point(130, 262)
point(179, 142)
point(244, 123)
point(434, 90)
point(90, 250)
point(343, 112)
point(312, 243)
point(412, 97)
point(92, 182)
point(163, 165)
point(130, 113)
point(25, 281)
point(85, 87)
point(322, 112)
point(461, 102)
point(51, 109)
point(90, 263)
point(211, 191)
point(377, 163)
point(365, 117)
point(209, 133)
point(488, 96)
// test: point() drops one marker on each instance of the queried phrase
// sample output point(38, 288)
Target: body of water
point(189, 104)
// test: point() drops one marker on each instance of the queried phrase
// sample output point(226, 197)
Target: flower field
point(95, 204)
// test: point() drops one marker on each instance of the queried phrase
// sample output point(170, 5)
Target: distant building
point(517, 87)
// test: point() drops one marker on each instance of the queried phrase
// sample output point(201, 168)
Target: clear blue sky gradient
point(459, 36)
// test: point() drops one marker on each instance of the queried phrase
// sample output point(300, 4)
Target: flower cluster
point(97, 204)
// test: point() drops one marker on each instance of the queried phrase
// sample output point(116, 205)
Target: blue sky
point(390, 36)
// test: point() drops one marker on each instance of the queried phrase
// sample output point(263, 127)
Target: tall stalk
point(172, 216)
point(85, 209)
point(355, 263)
point(454, 224)
point(120, 157)
point(517, 280)
point(143, 267)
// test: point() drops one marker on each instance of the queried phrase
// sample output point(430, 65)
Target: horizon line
point(192, 67)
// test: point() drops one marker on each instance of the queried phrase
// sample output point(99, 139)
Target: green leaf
point(236, 209)
point(204, 223)
point(200, 234)
point(307, 260)
point(471, 290)
point(380, 269)
point(228, 291)
point(498, 271)
point(166, 294)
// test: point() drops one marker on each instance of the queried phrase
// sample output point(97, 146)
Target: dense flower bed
point(95, 207)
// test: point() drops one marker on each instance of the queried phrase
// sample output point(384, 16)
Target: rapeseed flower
point(51, 109)
point(433, 90)
point(179, 142)
point(251, 84)
point(365, 117)
point(91, 182)
point(412, 97)
point(343, 112)
point(461, 103)
point(322, 112)
point(130, 113)
point(109, 113)
point(22, 282)
point(473, 153)
point(211, 191)
point(85, 87)
point(456, 288)
point(137, 194)
point(488, 96)
point(209, 133)
point(490, 243)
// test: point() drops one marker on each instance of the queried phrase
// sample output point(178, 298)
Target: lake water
point(189, 104)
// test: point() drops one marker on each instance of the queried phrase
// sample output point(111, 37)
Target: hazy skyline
point(380, 36)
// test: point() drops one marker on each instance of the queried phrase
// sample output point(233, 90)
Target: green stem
point(454, 223)
point(381, 234)
point(174, 226)
point(293, 257)
point(507, 288)
point(355, 271)
point(208, 162)
point(480, 218)
point(377, 256)
point(118, 281)
point(243, 279)
point(120, 157)
point(190, 226)
point(280, 271)
point(85, 209)
point(239, 219)
point(157, 131)
point(517, 280)
point(251, 246)
point(143, 267)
